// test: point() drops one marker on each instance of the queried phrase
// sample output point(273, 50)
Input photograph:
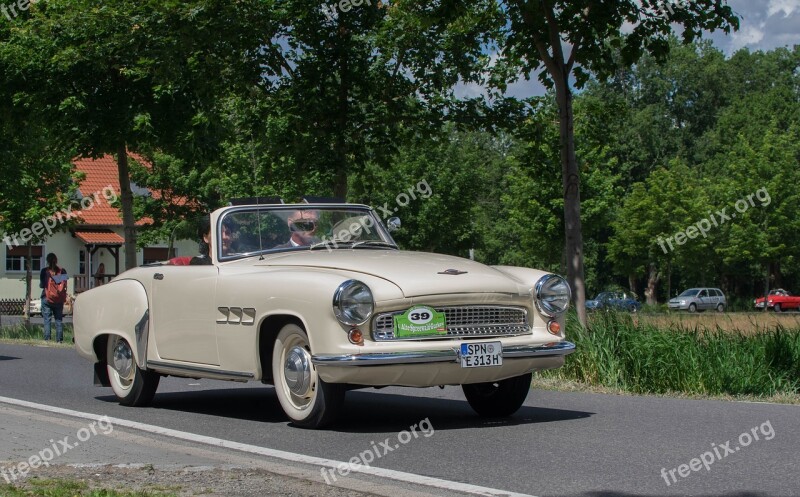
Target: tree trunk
point(766, 288)
point(669, 280)
point(126, 201)
point(652, 285)
point(776, 274)
point(341, 143)
point(633, 284)
point(572, 199)
point(28, 284)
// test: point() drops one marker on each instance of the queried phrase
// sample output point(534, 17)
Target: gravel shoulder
point(205, 481)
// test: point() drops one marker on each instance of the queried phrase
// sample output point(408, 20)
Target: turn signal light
point(554, 328)
point(356, 337)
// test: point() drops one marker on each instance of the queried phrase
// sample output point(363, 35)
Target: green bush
point(618, 352)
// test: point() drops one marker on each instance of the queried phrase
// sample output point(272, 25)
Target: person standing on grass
point(53, 282)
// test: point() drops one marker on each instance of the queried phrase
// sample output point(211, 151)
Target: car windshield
point(252, 230)
point(689, 293)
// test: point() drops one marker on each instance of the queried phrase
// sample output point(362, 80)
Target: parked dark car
point(618, 301)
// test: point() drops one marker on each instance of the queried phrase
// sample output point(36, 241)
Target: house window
point(82, 262)
point(156, 254)
point(16, 256)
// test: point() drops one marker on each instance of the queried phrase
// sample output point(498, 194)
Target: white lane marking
point(278, 454)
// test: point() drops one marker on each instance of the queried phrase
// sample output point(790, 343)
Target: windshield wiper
point(334, 244)
point(330, 244)
point(374, 243)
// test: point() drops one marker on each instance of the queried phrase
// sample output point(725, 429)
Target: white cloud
point(748, 35)
point(788, 7)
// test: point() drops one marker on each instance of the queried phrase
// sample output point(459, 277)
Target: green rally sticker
point(419, 321)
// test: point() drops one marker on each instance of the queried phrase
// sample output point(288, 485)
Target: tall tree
point(36, 179)
point(131, 73)
point(563, 41)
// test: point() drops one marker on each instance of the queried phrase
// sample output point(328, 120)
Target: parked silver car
point(699, 299)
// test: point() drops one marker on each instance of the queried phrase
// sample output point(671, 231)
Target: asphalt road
point(558, 444)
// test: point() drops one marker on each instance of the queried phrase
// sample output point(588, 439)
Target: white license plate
point(481, 354)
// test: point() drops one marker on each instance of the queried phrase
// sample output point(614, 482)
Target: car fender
point(303, 294)
point(525, 277)
point(117, 308)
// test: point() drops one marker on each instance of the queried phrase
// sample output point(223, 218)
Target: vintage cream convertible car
point(317, 300)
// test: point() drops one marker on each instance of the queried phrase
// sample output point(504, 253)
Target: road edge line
point(274, 453)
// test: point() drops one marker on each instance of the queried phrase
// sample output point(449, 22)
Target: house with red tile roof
point(93, 251)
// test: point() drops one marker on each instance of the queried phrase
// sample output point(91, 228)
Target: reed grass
point(623, 352)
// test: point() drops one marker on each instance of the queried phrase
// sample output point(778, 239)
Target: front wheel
point(778, 308)
point(499, 398)
point(132, 385)
point(692, 308)
point(304, 396)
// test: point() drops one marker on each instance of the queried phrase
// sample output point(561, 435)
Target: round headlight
point(552, 295)
point(352, 303)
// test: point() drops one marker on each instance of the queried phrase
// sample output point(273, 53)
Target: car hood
point(415, 273)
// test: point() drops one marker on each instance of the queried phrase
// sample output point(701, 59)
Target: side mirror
point(393, 224)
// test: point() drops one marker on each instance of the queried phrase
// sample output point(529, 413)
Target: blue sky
point(765, 24)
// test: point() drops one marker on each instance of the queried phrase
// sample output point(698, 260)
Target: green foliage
point(693, 136)
point(263, 98)
point(619, 353)
point(455, 166)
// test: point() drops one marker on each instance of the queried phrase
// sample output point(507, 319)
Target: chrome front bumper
point(430, 356)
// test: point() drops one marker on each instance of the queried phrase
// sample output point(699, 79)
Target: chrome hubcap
point(122, 361)
point(297, 371)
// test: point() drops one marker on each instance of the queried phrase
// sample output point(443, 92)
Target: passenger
point(204, 233)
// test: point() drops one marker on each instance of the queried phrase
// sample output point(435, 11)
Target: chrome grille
point(464, 321)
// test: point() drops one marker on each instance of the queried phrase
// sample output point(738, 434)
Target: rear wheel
point(720, 308)
point(132, 385)
point(304, 396)
point(498, 398)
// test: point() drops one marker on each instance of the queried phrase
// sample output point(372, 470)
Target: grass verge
point(34, 333)
point(622, 353)
point(69, 488)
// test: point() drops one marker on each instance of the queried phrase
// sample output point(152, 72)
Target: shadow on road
point(249, 404)
point(365, 411)
point(7, 358)
point(369, 412)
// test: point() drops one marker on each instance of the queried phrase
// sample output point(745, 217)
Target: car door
point(704, 300)
point(184, 313)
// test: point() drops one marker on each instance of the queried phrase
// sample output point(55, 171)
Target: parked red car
point(779, 300)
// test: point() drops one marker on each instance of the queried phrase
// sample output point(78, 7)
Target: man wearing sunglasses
point(303, 225)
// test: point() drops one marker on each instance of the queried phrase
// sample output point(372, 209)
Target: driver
point(303, 225)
